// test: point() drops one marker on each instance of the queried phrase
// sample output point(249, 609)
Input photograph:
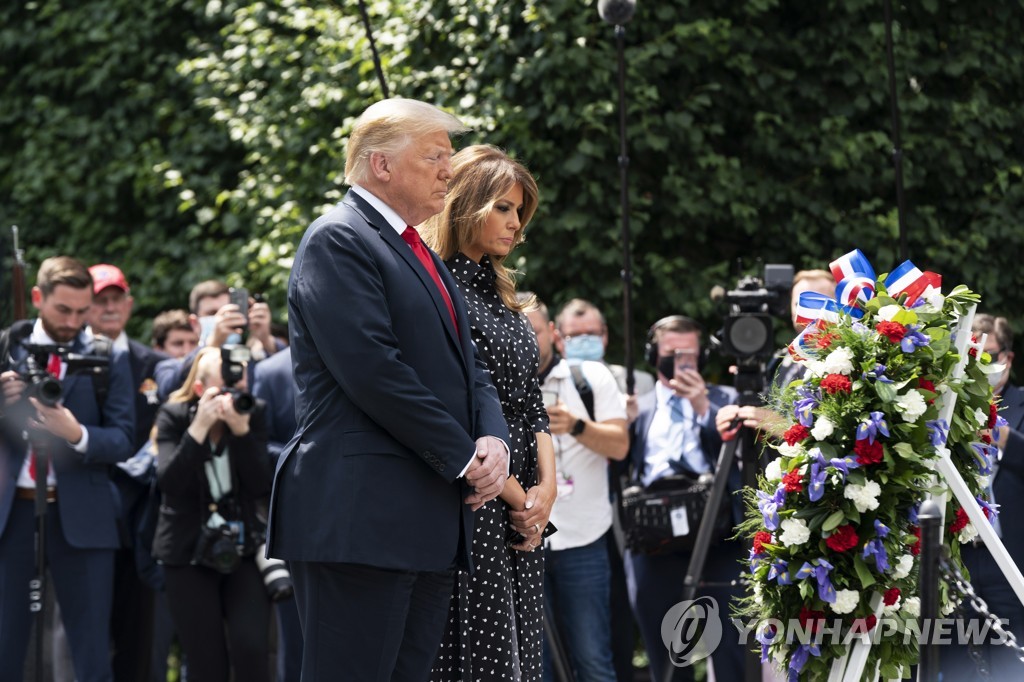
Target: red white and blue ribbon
point(855, 286)
point(908, 279)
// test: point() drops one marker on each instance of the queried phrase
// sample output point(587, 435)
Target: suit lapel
point(392, 239)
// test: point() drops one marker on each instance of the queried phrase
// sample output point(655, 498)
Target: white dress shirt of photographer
point(583, 510)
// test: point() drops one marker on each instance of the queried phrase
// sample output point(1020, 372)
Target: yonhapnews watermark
point(692, 630)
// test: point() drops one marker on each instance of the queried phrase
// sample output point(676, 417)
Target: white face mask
point(996, 378)
point(206, 325)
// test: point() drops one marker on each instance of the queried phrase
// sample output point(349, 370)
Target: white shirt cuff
point(82, 444)
point(508, 459)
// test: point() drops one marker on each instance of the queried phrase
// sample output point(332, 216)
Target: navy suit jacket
point(710, 440)
point(87, 503)
point(1008, 484)
point(274, 384)
point(391, 398)
point(143, 361)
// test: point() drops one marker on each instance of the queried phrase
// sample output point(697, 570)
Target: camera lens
point(48, 391)
point(243, 402)
point(750, 335)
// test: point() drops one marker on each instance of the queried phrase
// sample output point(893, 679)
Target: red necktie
point(412, 238)
point(53, 369)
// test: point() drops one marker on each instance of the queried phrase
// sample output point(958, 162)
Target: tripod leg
point(699, 555)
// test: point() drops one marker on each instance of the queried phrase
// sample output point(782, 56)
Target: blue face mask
point(584, 347)
point(206, 326)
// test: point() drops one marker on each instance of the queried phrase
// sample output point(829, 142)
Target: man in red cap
point(132, 618)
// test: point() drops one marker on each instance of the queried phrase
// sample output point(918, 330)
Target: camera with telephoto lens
point(217, 548)
point(276, 577)
point(748, 333)
point(233, 359)
point(43, 386)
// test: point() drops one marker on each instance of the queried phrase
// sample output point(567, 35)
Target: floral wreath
point(833, 520)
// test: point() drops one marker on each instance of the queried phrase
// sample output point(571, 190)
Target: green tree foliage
point(185, 139)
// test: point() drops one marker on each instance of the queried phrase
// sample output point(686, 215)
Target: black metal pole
point(930, 518)
point(627, 257)
point(37, 584)
point(897, 148)
point(373, 49)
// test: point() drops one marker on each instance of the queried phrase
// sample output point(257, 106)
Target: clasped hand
point(488, 471)
point(531, 521)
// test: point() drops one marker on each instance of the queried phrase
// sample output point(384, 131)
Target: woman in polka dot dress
point(495, 627)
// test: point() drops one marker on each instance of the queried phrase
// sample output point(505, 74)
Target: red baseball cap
point(104, 276)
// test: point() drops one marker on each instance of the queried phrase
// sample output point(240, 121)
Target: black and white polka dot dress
point(495, 627)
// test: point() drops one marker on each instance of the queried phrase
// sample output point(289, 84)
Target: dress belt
point(30, 494)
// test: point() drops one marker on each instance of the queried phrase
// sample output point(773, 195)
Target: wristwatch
point(578, 427)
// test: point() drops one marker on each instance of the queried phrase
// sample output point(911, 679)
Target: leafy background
point(184, 140)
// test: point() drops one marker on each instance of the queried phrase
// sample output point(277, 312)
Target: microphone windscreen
point(616, 12)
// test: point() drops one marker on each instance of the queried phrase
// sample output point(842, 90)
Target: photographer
point(214, 473)
point(84, 431)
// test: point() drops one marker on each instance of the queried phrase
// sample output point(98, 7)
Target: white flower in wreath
point(865, 497)
point(967, 533)
point(846, 601)
point(912, 606)
point(887, 312)
point(983, 481)
point(839, 361)
point(794, 532)
point(933, 301)
point(773, 472)
point(911, 405)
point(981, 417)
point(822, 429)
point(949, 607)
point(903, 567)
point(790, 451)
point(816, 368)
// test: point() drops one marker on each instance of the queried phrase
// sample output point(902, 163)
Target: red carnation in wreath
point(915, 548)
point(894, 331)
point(863, 624)
point(760, 539)
point(796, 433)
point(867, 452)
point(993, 414)
point(836, 383)
point(891, 596)
point(842, 538)
point(812, 617)
point(960, 522)
point(794, 481)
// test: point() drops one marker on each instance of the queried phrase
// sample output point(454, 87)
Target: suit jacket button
point(440, 468)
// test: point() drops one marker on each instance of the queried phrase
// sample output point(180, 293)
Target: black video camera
point(233, 359)
point(217, 548)
point(748, 333)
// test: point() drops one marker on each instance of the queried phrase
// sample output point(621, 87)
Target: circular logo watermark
point(691, 631)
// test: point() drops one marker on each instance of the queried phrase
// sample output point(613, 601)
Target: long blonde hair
point(481, 175)
point(186, 391)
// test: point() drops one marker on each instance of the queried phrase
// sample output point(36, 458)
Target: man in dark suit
point(84, 439)
point(674, 433)
point(400, 433)
point(1007, 491)
point(131, 626)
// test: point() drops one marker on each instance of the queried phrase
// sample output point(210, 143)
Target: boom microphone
point(616, 12)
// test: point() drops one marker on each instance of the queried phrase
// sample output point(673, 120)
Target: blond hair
point(481, 176)
point(186, 391)
point(388, 126)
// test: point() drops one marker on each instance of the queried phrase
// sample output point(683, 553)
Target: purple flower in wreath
point(1001, 421)
point(779, 572)
point(881, 529)
point(844, 464)
point(803, 411)
point(912, 513)
point(769, 509)
point(819, 572)
point(799, 659)
point(913, 339)
point(817, 485)
point(875, 425)
point(878, 374)
point(938, 432)
point(991, 509)
point(984, 454)
point(875, 548)
point(766, 634)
